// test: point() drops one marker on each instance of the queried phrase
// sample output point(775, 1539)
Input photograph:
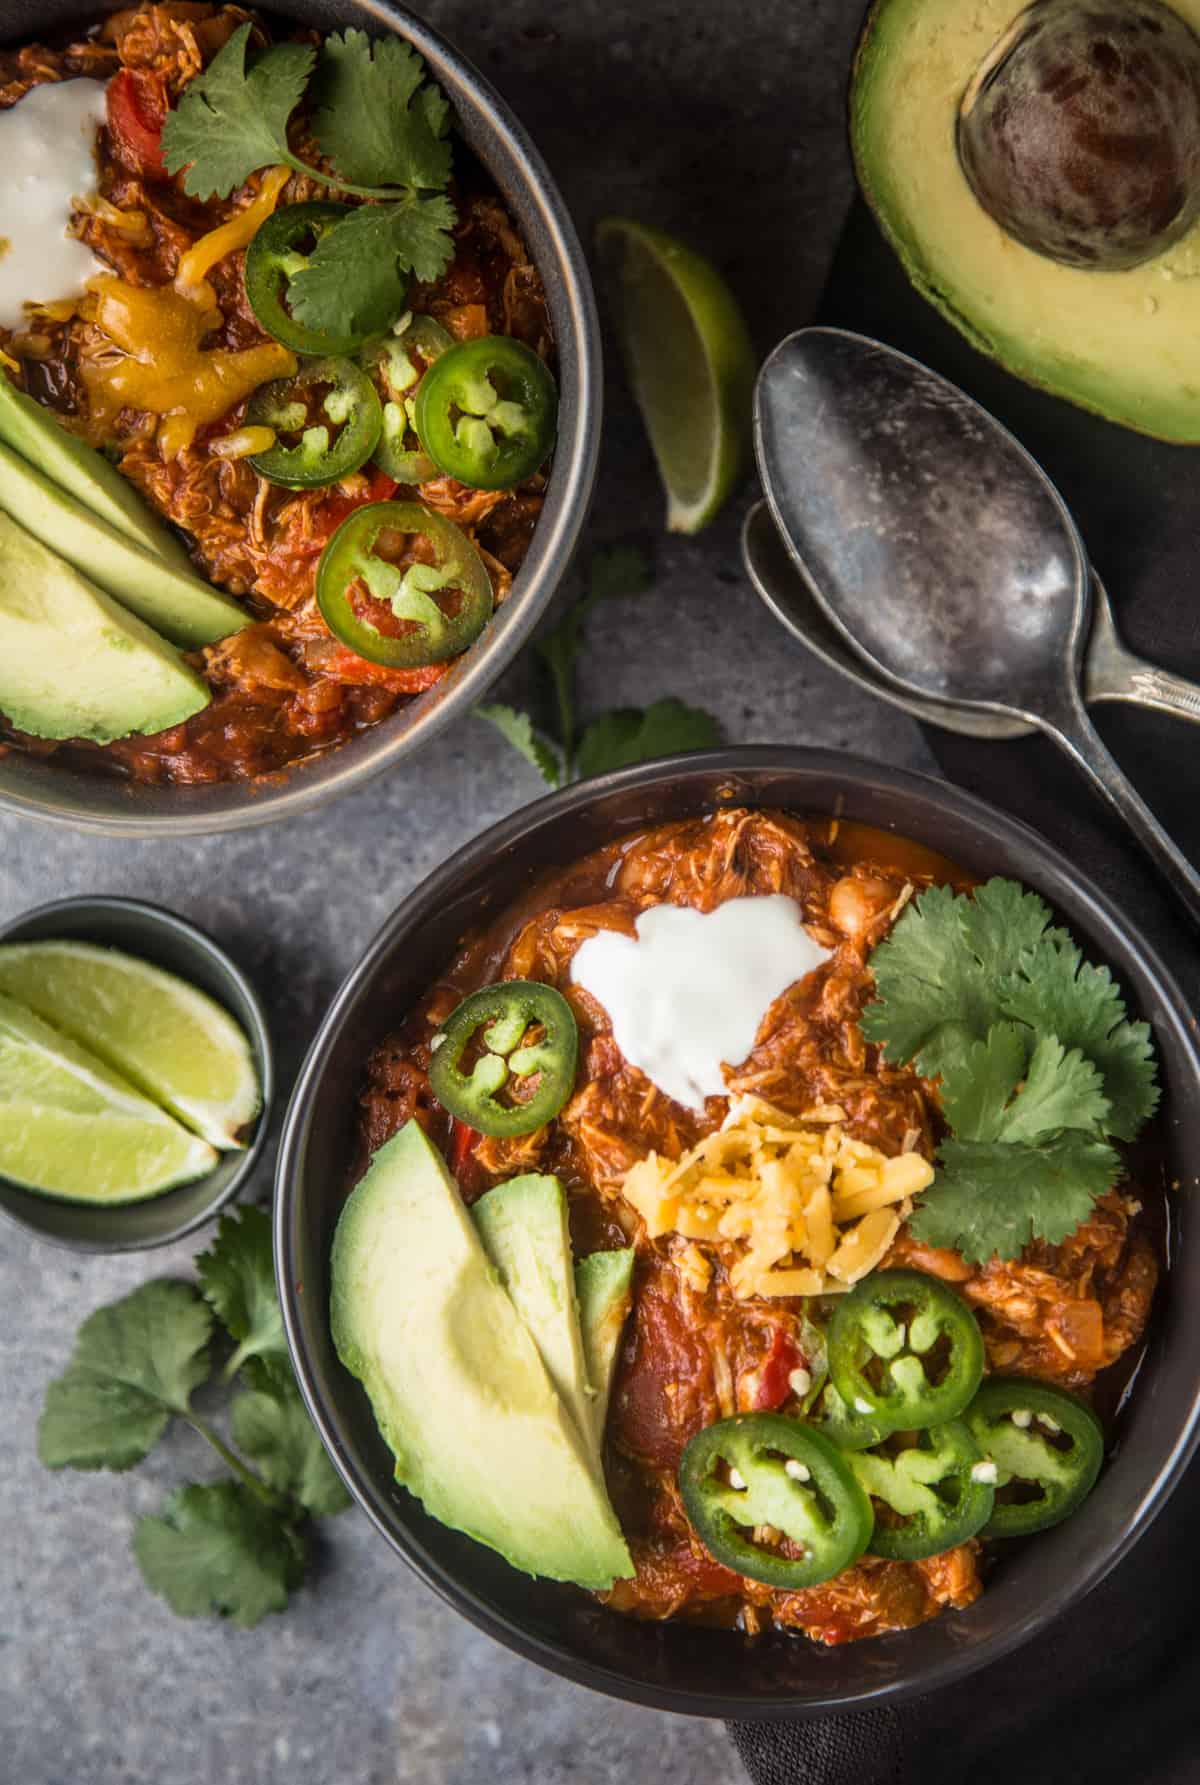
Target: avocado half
point(1123, 344)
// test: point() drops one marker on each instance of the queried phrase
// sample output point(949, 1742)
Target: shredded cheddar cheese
point(806, 1209)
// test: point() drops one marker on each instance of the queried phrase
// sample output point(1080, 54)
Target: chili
point(764, 1469)
point(905, 1351)
point(937, 1492)
point(281, 248)
point(360, 561)
point(486, 412)
point(500, 1017)
point(1047, 1447)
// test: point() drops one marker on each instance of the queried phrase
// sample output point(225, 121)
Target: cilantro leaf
point(934, 994)
point(1053, 989)
point(992, 1198)
point(272, 1426)
point(218, 1548)
point(617, 570)
point(355, 280)
point(978, 1088)
point(517, 729)
point(1001, 1090)
point(135, 1363)
point(375, 117)
point(618, 739)
point(237, 1277)
point(232, 119)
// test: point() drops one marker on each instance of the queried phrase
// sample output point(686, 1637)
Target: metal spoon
point(938, 548)
point(1112, 672)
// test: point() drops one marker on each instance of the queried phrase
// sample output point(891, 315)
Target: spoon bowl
point(938, 549)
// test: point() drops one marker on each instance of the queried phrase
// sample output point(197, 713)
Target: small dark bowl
point(671, 1666)
point(170, 942)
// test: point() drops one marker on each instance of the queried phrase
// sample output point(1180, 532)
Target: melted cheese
point(48, 154)
point(161, 364)
point(802, 1208)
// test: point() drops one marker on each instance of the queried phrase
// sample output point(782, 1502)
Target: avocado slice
point(73, 663)
point(33, 432)
point(524, 1228)
point(180, 605)
point(461, 1395)
point(1119, 342)
point(604, 1287)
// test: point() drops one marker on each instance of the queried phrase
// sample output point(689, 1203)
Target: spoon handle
point(1073, 731)
point(1113, 672)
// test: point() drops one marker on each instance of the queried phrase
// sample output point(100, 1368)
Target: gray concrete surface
point(723, 122)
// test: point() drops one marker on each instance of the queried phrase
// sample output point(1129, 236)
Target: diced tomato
point(773, 1386)
point(345, 665)
point(333, 511)
point(137, 110)
point(462, 1144)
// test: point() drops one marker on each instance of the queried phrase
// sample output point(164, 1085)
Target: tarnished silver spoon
point(938, 549)
point(1112, 672)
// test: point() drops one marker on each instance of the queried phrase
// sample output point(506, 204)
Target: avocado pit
point(1080, 132)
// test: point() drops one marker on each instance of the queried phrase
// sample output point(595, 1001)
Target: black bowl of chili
point(677, 1666)
point(142, 798)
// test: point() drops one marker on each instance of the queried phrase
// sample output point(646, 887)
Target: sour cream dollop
point(690, 993)
point(47, 159)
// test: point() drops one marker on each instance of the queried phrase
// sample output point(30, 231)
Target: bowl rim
point(494, 845)
point(159, 917)
point(560, 257)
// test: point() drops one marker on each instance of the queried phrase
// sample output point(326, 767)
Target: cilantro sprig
point(237, 1547)
point(1040, 1066)
point(616, 739)
point(381, 127)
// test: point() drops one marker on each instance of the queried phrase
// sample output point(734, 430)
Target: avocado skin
point(457, 1387)
point(179, 605)
point(73, 662)
point(30, 430)
point(1175, 418)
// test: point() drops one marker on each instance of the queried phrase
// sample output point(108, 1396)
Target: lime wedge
point(70, 1127)
point(170, 1040)
point(690, 360)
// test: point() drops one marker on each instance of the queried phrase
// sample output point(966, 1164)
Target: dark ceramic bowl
point(167, 941)
point(40, 787)
point(671, 1666)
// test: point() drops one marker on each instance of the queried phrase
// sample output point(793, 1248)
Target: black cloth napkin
point(1110, 1695)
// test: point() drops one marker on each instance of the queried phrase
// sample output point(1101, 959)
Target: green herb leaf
point(272, 1426)
point(376, 118)
point(937, 976)
point(618, 739)
point(998, 1090)
point(355, 281)
point(217, 1548)
point(232, 119)
point(1053, 989)
point(995, 1197)
point(135, 1364)
point(237, 1276)
point(517, 729)
point(617, 570)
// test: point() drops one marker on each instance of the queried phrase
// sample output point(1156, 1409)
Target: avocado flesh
point(524, 1229)
point(459, 1391)
point(179, 605)
point(75, 664)
point(1120, 343)
point(604, 1287)
point(30, 430)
